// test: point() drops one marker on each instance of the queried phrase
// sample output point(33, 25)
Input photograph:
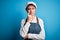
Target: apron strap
point(36, 19)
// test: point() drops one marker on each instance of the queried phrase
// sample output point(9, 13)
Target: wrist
point(28, 21)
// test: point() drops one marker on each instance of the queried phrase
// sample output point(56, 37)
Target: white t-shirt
point(24, 29)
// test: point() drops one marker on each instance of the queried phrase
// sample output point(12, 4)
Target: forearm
point(41, 35)
point(24, 30)
point(35, 36)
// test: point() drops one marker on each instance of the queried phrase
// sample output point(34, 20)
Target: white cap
point(31, 3)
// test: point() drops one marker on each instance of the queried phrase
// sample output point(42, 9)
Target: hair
point(28, 6)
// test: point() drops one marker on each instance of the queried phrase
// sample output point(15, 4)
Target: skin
point(31, 14)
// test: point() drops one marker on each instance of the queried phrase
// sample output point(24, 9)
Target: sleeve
point(24, 28)
point(40, 36)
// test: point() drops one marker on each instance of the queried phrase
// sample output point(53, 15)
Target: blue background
point(13, 11)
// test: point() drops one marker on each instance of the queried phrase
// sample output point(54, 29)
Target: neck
point(33, 16)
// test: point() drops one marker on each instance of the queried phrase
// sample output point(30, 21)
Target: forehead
point(31, 5)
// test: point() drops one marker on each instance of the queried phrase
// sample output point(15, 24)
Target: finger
point(29, 14)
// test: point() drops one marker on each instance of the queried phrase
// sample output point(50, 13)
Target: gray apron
point(34, 29)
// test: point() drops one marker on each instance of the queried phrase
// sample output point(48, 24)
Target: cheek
point(33, 11)
point(28, 11)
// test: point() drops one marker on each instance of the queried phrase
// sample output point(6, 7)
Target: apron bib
point(34, 29)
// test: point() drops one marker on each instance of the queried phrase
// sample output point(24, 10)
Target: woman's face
point(31, 10)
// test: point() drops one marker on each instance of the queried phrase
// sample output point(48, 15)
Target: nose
point(30, 10)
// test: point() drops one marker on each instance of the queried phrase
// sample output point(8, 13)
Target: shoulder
point(23, 20)
point(40, 20)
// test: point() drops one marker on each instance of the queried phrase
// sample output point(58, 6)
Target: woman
point(32, 28)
